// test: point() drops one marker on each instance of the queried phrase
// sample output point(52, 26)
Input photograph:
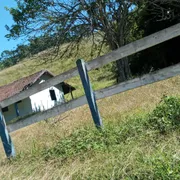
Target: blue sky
point(5, 18)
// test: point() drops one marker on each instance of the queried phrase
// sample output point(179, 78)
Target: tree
point(73, 20)
point(158, 15)
point(10, 58)
point(34, 46)
point(41, 43)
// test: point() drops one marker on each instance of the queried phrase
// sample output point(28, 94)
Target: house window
point(53, 95)
point(5, 109)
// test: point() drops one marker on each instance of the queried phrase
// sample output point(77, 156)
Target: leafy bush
point(166, 115)
point(159, 165)
point(90, 139)
point(124, 149)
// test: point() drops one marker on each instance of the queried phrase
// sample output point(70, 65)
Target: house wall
point(38, 102)
point(42, 100)
point(24, 108)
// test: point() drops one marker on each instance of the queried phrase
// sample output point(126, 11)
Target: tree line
point(35, 45)
point(51, 23)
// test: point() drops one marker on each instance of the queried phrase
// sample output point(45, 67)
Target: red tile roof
point(21, 84)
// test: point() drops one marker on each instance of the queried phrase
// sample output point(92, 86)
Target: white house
point(40, 101)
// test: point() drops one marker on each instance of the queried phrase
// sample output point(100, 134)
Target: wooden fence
point(120, 53)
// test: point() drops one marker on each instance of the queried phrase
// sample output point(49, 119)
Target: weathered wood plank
point(131, 84)
point(90, 96)
point(140, 81)
point(47, 114)
point(124, 51)
point(6, 138)
point(136, 46)
point(39, 87)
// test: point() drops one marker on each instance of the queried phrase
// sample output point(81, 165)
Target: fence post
point(5, 137)
point(89, 93)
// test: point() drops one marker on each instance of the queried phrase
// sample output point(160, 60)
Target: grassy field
point(137, 142)
point(59, 65)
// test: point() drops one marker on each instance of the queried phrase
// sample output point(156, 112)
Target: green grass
point(128, 147)
point(121, 136)
point(140, 139)
point(101, 77)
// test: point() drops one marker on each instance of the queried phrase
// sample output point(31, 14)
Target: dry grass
point(42, 135)
point(30, 141)
point(56, 66)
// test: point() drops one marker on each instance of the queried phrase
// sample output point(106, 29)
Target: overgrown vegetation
point(132, 147)
point(140, 139)
point(166, 116)
point(133, 144)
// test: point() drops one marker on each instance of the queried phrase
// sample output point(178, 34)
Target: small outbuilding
point(40, 101)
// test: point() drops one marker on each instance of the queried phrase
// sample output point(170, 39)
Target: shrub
point(90, 139)
point(166, 115)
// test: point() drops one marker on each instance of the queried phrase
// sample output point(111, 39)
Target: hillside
point(59, 65)
point(69, 147)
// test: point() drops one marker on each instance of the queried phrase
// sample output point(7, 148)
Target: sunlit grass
point(141, 152)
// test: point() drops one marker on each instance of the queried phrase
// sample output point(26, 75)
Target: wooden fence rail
point(100, 94)
point(120, 53)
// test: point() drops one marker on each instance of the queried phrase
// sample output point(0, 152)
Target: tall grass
point(127, 148)
point(140, 139)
